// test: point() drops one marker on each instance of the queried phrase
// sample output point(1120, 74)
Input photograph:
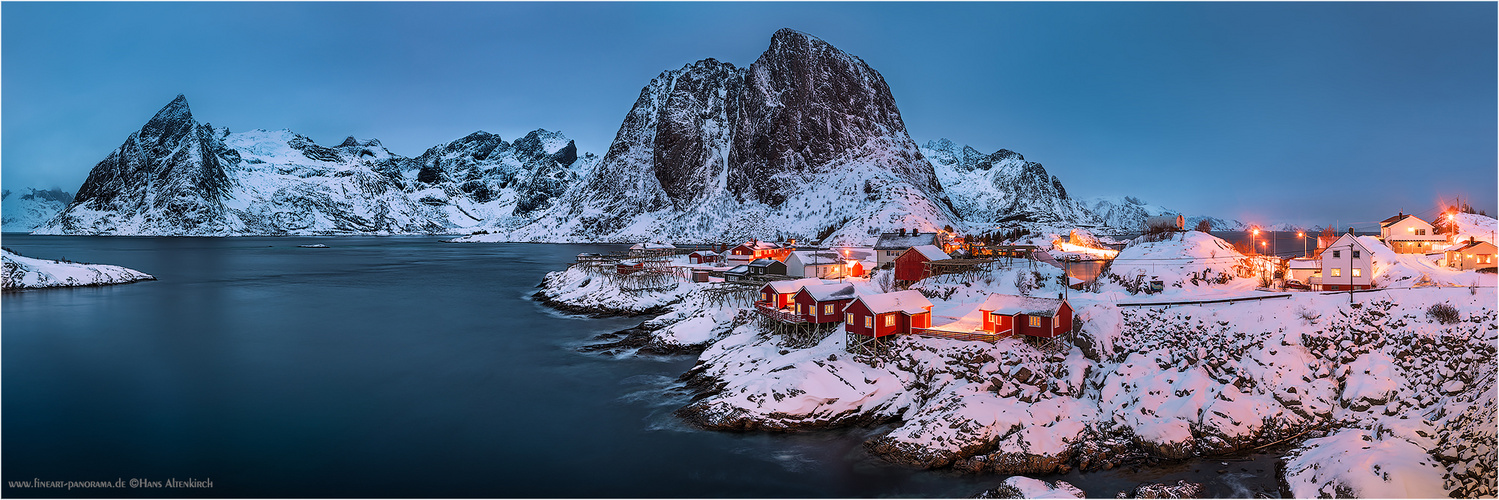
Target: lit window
point(1357, 272)
point(890, 320)
point(848, 318)
point(1337, 272)
point(1035, 321)
point(765, 296)
point(827, 309)
point(798, 308)
point(868, 322)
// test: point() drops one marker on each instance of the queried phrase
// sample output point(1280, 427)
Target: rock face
point(1129, 213)
point(24, 211)
point(807, 142)
point(179, 177)
point(1002, 186)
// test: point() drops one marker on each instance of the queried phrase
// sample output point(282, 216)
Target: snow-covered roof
point(629, 263)
point(762, 262)
point(705, 253)
point(1015, 304)
point(931, 252)
point(1305, 264)
point(897, 241)
point(791, 286)
point(906, 301)
point(818, 256)
point(1469, 245)
point(1396, 219)
point(761, 245)
point(1353, 241)
point(738, 270)
point(831, 291)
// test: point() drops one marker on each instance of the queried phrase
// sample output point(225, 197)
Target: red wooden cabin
point(911, 265)
point(778, 294)
point(888, 314)
point(703, 257)
point(1037, 317)
point(823, 303)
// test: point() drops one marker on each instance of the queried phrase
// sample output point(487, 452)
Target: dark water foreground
point(396, 366)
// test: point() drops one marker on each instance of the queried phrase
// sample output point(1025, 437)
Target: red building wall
point(812, 310)
point(908, 267)
point(768, 294)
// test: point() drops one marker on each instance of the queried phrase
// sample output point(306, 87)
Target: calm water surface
point(397, 366)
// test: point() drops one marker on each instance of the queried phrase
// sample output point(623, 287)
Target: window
point(1421, 232)
point(764, 296)
point(868, 322)
point(1355, 254)
point(1337, 272)
point(890, 320)
point(1357, 272)
point(798, 308)
point(827, 309)
point(1035, 321)
point(1335, 253)
point(848, 318)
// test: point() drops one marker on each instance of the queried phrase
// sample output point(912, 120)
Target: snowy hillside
point(24, 211)
point(1128, 213)
point(25, 272)
point(1001, 187)
point(178, 177)
point(1476, 227)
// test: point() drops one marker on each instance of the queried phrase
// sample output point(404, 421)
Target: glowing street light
point(1256, 234)
point(1302, 235)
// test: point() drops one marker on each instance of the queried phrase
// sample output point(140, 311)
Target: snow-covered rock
point(1025, 487)
point(1128, 213)
point(24, 211)
point(25, 272)
point(1001, 187)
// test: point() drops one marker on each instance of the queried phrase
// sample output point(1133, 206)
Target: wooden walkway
point(1214, 301)
point(944, 334)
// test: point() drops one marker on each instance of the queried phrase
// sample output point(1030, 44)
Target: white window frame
point(869, 322)
point(889, 320)
point(848, 318)
point(827, 309)
point(1034, 322)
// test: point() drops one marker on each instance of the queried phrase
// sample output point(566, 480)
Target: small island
point(27, 273)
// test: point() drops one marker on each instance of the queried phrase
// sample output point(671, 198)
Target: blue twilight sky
point(1265, 112)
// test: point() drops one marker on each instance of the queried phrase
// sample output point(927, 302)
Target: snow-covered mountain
point(179, 177)
point(806, 142)
point(1128, 213)
point(1001, 187)
point(24, 211)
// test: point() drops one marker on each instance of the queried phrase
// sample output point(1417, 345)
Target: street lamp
point(1252, 239)
point(1302, 235)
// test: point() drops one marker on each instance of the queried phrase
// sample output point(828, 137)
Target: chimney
point(902, 231)
point(915, 232)
point(1350, 231)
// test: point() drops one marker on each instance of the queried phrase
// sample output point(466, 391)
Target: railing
point(782, 315)
point(980, 336)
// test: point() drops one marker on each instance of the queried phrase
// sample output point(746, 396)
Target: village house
point(652, 249)
point(1406, 233)
point(1345, 263)
point(891, 245)
point(871, 319)
point(779, 294)
point(629, 267)
point(755, 249)
point(823, 304)
point(821, 264)
point(910, 266)
point(1033, 316)
point(704, 257)
point(1474, 254)
point(1303, 270)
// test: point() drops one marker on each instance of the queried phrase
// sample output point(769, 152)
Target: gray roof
point(895, 241)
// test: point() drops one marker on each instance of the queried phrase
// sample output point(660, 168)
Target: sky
point(1268, 112)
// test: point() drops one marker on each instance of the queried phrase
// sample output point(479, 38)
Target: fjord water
point(391, 366)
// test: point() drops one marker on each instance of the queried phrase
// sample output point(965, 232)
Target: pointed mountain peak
point(172, 120)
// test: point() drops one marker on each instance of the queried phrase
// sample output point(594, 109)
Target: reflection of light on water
point(1234, 482)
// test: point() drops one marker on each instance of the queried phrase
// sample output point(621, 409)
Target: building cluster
point(1344, 262)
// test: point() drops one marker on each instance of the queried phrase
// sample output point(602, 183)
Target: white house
point(1304, 269)
point(891, 245)
point(1406, 233)
point(1345, 263)
point(817, 264)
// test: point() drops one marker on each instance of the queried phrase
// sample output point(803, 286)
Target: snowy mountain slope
point(25, 272)
point(1129, 213)
point(1001, 187)
point(24, 211)
point(179, 177)
point(805, 143)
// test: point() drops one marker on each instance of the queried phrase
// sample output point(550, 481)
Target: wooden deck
point(944, 334)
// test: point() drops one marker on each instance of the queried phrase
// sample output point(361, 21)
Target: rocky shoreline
point(1135, 387)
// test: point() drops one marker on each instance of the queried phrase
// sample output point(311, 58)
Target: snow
point(25, 272)
point(931, 252)
point(1012, 304)
point(1359, 463)
point(792, 286)
point(906, 301)
point(1474, 226)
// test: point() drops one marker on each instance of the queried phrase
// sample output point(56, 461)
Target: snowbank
point(25, 272)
